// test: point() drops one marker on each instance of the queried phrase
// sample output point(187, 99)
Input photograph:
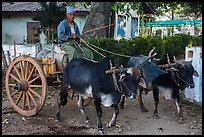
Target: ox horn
point(151, 51)
point(174, 58)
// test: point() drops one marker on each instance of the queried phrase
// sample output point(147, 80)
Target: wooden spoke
point(33, 79)
point(31, 90)
point(26, 71)
point(22, 70)
point(72, 96)
point(35, 86)
point(28, 101)
point(32, 97)
point(17, 71)
point(14, 77)
point(12, 85)
point(30, 73)
point(14, 93)
point(19, 97)
point(23, 101)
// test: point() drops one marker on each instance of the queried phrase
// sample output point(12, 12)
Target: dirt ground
point(131, 121)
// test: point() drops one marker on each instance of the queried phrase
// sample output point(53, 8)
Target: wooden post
point(8, 57)
point(4, 59)
point(14, 55)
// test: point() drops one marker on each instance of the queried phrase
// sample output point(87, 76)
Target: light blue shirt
point(64, 31)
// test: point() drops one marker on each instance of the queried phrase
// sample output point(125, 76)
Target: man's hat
point(70, 9)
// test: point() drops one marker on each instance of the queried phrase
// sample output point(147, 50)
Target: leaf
point(114, 7)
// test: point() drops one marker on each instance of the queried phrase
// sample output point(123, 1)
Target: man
point(68, 32)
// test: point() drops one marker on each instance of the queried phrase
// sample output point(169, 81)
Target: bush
point(142, 45)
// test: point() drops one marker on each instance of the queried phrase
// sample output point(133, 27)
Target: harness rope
point(91, 47)
point(97, 28)
point(115, 79)
point(177, 80)
point(182, 79)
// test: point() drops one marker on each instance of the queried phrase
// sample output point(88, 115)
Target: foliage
point(124, 7)
point(50, 17)
point(192, 9)
point(159, 32)
point(142, 45)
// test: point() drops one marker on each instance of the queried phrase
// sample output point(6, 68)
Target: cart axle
point(22, 86)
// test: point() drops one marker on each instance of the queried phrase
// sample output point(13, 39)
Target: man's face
point(70, 16)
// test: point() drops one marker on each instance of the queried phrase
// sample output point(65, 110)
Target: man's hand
point(73, 36)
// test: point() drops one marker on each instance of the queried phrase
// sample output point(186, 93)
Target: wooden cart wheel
point(73, 97)
point(26, 85)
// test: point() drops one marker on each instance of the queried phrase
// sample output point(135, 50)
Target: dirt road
point(131, 121)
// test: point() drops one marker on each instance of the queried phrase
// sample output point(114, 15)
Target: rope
point(103, 50)
point(111, 52)
point(97, 28)
point(183, 80)
point(91, 47)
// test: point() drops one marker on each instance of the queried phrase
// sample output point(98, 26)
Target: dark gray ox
point(179, 76)
point(89, 79)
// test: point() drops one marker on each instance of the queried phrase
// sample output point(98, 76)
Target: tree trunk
point(98, 17)
point(142, 23)
point(52, 30)
point(172, 18)
point(48, 33)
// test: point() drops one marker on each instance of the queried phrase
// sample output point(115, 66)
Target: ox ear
point(142, 83)
point(195, 73)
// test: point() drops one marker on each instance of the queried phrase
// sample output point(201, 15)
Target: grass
point(197, 107)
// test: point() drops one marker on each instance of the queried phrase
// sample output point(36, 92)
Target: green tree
point(169, 8)
point(125, 7)
point(193, 10)
point(49, 18)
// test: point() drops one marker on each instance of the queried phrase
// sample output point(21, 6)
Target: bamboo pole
point(4, 60)
point(14, 55)
point(8, 56)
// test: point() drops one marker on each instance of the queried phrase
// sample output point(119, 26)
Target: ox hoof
point(180, 120)
point(111, 124)
point(156, 116)
point(101, 131)
point(57, 118)
point(143, 109)
point(88, 124)
point(86, 121)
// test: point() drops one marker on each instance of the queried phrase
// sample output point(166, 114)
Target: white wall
point(195, 94)
point(14, 29)
point(80, 20)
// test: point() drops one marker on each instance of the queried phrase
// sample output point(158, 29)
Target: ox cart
point(27, 80)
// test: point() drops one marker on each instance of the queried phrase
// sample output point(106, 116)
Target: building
point(18, 24)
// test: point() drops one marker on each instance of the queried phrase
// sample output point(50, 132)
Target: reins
point(91, 47)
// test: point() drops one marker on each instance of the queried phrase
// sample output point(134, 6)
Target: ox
point(89, 79)
point(179, 76)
